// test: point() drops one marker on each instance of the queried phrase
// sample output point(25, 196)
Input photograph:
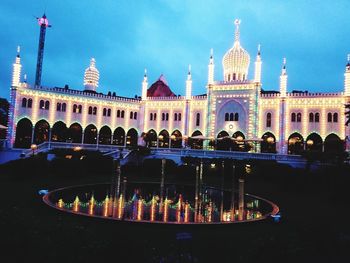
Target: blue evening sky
point(164, 36)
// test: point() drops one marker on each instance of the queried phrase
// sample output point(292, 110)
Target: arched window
point(58, 108)
point(268, 119)
point(293, 117)
point(179, 117)
point(122, 114)
point(234, 76)
point(64, 106)
point(167, 116)
point(155, 116)
point(229, 77)
point(135, 115)
point(335, 117)
point(30, 102)
point(198, 119)
point(329, 117)
point(118, 113)
point(24, 102)
point(163, 116)
point(104, 112)
point(299, 117)
point(109, 112)
point(94, 111)
point(236, 116)
point(317, 117)
point(151, 116)
point(80, 108)
point(311, 117)
point(75, 108)
point(227, 116)
point(231, 116)
point(131, 115)
point(47, 105)
point(42, 104)
point(175, 117)
point(90, 110)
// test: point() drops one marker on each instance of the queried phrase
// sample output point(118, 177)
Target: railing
point(227, 154)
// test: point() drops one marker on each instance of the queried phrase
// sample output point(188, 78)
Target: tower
point(144, 86)
point(16, 72)
point(211, 68)
point(91, 77)
point(347, 78)
point(283, 80)
point(257, 73)
point(189, 84)
point(43, 23)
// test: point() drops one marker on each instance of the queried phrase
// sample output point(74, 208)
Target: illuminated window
point(299, 117)
point(311, 117)
point(317, 117)
point(227, 116)
point(24, 103)
point(335, 117)
point(329, 117)
point(30, 102)
point(236, 116)
point(293, 117)
point(268, 119)
point(198, 117)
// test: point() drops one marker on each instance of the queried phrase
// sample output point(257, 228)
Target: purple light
point(43, 21)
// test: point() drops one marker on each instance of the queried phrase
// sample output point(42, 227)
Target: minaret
point(189, 84)
point(16, 73)
point(91, 77)
point(43, 23)
point(211, 68)
point(347, 78)
point(144, 86)
point(283, 80)
point(257, 74)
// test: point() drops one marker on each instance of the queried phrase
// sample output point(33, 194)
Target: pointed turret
point(211, 68)
point(347, 78)
point(258, 62)
point(91, 77)
point(16, 73)
point(189, 84)
point(283, 80)
point(144, 86)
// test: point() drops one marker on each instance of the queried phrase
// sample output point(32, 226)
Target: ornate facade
point(233, 114)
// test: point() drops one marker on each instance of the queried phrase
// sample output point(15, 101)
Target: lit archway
point(163, 139)
point(119, 136)
point(90, 134)
point(151, 138)
point(131, 138)
point(105, 135)
point(195, 143)
point(24, 130)
point(224, 142)
point(176, 139)
point(314, 143)
point(268, 144)
point(333, 144)
point(238, 142)
point(41, 132)
point(295, 143)
point(59, 132)
point(74, 133)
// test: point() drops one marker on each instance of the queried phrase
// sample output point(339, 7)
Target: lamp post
point(33, 147)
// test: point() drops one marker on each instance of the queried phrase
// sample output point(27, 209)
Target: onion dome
point(91, 77)
point(160, 88)
point(236, 60)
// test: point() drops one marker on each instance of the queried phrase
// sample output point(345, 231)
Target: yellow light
point(76, 204)
point(120, 207)
point(139, 209)
point(60, 203)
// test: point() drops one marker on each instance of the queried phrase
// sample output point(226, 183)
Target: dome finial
point(145, 75)
point(259, 49)
point(211, 53)
point(189, 69)
point(237, 23)
point(284, 63)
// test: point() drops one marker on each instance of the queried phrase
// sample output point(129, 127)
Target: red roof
point(160, 88)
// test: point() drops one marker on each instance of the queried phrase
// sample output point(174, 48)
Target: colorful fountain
point(162, 203)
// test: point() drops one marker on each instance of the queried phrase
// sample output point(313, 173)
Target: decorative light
point(76, 204)
point(309, 142)
point(91, 76)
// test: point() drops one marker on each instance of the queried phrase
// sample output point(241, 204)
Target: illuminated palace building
point(233, 114)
